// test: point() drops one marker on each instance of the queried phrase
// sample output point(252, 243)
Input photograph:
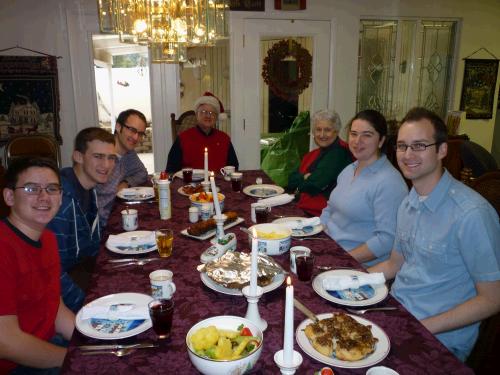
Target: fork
point(136, 263)
point(361, 312)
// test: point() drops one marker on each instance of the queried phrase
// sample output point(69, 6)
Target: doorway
point(122, 82)
point(313, 35)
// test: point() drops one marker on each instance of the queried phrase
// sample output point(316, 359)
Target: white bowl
point(209, 366)
point(196, 203)
point(272, 246)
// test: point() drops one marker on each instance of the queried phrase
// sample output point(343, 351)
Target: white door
point(247, 135)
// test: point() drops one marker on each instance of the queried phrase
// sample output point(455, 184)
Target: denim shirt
point(449, 241)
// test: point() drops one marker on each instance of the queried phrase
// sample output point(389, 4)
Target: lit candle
point(205, 166)
point(288, 335)
point(253, 269)
point(215, 195)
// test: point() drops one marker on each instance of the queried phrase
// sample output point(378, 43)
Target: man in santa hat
point(188, 149)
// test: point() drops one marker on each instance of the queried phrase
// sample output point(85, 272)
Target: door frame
point(246, 84)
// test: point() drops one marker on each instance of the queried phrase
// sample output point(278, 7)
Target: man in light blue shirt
point(446, 256)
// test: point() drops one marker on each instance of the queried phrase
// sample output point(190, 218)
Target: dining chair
point(484, 356)
point(488, 185)
point(4, 209)
point(32, 145)
point(185, 121)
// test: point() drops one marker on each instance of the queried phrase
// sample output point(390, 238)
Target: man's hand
point(122, 185)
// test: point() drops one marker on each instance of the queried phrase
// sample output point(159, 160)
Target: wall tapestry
point(29, 96)
point(478, 90)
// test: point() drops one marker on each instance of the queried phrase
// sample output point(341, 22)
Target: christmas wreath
point(272, 72)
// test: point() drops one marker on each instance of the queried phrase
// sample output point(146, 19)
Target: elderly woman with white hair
point(315, 178)
point(188, 148)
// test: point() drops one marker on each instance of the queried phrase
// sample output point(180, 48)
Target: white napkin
point(278, 200)
point(137, 191)
point(126, 241)
point(352, 281)
point(125, 312)
point(299, 224)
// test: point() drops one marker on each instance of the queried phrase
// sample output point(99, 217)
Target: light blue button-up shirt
point(363, 209)
point(449, 241)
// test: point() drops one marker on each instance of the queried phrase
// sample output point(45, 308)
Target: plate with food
point(203, 230)
point(190, 189)
point(115, 316)
point(368, 344)
point(263, 190)
point(198, 174)
point(138, 193)
point(132, 243)
point(275, 283)
point(303, 231)
point(363, 296)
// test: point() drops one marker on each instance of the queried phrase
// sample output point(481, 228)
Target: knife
point(132, 260)
point(305, 310)
point(115, 347)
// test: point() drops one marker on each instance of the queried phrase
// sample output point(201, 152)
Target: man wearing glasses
point(129, 170)
point(446, 255)
point(188, 149)
point(76, 224)
point(31, 309)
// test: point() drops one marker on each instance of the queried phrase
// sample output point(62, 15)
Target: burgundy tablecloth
point(413, 349)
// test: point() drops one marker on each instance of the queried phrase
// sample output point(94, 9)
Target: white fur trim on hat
point(210, 100)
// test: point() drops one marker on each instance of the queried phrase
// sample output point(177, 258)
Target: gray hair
point(331, 116)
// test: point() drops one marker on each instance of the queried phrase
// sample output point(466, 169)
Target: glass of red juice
point(262, 214)
point(236, 178)
point(187, 175)
point(305, 266)
point(161, 312)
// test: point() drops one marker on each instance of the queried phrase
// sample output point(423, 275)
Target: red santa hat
point(212, 100)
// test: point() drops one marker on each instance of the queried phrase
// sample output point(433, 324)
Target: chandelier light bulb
point(140, 26)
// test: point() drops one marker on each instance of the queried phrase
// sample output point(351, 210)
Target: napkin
point(299, 224)
point(137, 191)
point(126, 241)
point(278, 200)
point(352, 281)
point(121, 311)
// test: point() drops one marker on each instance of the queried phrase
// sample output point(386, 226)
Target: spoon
point(312, 238)
point(118, 353)
point(361, 312)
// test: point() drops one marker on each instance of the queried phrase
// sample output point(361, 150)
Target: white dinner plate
point(365, 296)
point(382, 347)
point(99, 332)
point(277, 281)
point(300, 232)
point(198, 174)
point(138, 193)
point(211, 233)
point(181, 192)
point(263, 190)
point(128, 251)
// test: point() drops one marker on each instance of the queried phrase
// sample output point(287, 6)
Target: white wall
point(61, 27)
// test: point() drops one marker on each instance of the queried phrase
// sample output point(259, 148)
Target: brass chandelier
point(168, 27)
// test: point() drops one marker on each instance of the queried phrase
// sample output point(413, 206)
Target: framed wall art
point(247, 5)
point(478, 89)
point(29, 96)
point(290, 4)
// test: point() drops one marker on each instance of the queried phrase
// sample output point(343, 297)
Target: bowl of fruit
point(198, 199)
point(224, 345)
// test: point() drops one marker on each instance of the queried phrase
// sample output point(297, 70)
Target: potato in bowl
point(224, 345)
point(272, 239)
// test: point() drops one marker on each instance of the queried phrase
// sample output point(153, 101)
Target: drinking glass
point(161, 312)
point(305, 266)
point(236, 178)
point(164, 242)
point(262, 214)
point(187, 175)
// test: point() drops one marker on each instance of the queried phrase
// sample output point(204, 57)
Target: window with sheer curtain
point(405, 63)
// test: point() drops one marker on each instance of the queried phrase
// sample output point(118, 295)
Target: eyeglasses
point(419, 146)
point(34, 189)
point(208, 113)
point(134, 131)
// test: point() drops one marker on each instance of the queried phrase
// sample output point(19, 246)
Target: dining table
point(413, 349)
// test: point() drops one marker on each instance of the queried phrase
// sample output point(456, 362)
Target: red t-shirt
point(30, 286)
point(193, 143)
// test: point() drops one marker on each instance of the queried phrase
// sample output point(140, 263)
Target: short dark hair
point(123, 116)
point(420, 113)
point(20, 165)
point(376, 120)
point(87, 135)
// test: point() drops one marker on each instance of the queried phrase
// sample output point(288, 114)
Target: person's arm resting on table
point(389, 267)
point(27, 350)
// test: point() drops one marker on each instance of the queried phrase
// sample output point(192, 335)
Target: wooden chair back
point(185, 121)
point(488, 185)
point(4, 209)
point(32, 145)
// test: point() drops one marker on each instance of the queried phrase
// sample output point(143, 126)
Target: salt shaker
point(205, 211)
point(258, 180)
point(193, 214)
